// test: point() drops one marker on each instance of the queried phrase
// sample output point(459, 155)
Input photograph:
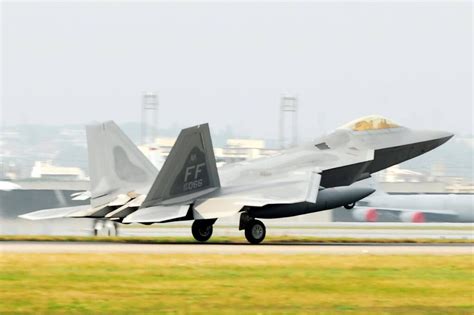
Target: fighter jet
point(127, 188)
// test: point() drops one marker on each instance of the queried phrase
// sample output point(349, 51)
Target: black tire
point(255, 232)
point(350, 206)
point(202, 231)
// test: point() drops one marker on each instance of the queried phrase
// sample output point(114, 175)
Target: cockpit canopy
point(372, 122)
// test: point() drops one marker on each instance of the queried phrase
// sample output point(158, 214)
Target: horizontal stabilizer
point(157, 214)
point(53, 213)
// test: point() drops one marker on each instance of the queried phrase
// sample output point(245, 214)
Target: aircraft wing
point(300, 187)
point(294, 188)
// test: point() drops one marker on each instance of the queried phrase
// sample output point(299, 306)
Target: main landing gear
point(255, 230)
point(202, 230)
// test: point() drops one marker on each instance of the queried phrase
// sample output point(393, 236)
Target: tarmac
point(229, 227)
point(233, 249)
point(334, 231)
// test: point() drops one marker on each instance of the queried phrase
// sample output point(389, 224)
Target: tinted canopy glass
point(371, 123)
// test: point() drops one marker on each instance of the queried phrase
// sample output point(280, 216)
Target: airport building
point(46, 170)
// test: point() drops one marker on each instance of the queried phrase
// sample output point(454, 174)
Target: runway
point(329, 231)
point(229, 227)
point(232, 249)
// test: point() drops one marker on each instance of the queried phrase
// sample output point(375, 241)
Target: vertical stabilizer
point(189, 171)
point(116, 165)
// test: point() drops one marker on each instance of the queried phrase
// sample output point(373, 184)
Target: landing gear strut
point(202, 230)
point(350, 206)
point(105, 228)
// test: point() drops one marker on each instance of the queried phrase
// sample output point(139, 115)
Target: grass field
point(227, 239)
point(244, 284)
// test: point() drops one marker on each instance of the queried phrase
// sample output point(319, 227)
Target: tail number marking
point(191, 175)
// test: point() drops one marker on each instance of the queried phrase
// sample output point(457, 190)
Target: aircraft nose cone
point(431, 140)
point(437, 136)
point(445, 135)
point(440, 137)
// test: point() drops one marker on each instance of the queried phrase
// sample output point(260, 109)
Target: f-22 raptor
point(127, 188)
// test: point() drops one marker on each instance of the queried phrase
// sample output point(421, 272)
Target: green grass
point(228, 284)
point(226, 239)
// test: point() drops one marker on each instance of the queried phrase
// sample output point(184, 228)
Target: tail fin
point(189, 171)
point(116, 166)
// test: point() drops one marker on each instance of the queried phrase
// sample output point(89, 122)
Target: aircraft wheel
point(202, 231)
point(350, 206)
point(255, 231)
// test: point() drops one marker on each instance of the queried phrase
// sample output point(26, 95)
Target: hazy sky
point(229, 63)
